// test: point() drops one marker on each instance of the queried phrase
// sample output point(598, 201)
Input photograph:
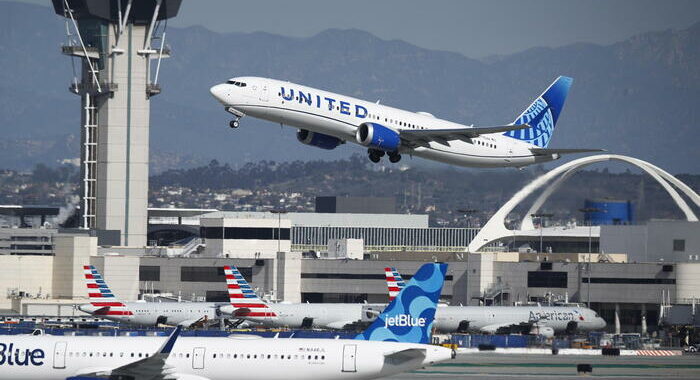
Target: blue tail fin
point(542, 114)
point(409, 317)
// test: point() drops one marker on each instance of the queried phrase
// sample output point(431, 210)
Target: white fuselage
point(490, 318)
point(320, 315)
point(340, 116)
point(59, 357)
point(153, 313)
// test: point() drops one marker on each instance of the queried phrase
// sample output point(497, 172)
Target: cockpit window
point(239, 84)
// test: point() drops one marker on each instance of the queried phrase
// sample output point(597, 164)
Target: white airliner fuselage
point(246, 357)
point(318, 315)
point(489, 319)
point(159, 313)
point(326, 120)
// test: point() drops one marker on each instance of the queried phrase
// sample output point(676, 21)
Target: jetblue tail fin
point(394, 282)
point(542, 114)
point(101, 296)
point(242, 296)
point(409, 317)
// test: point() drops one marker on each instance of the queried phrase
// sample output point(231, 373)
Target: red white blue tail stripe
point(394, 282)
point(100, 294)
point(242, 296)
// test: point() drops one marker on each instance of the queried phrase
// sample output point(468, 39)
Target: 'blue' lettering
point(330, 103)
point(27, 357)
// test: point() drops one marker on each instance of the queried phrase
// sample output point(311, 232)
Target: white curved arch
point(526, 223)
point(495, 228)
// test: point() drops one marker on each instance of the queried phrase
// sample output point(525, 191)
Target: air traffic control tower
point(117, 47)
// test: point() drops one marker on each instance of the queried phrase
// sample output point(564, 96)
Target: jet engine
point(318, 140)
point(377, 136)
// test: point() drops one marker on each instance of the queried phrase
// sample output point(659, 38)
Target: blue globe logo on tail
point(542, 114)
point(409, 317)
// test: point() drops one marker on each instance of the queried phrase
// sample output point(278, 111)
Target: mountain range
point(638, 97)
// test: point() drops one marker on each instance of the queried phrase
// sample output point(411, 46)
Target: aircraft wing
point(443, 136)
point(548, 151)
point(506, 327)
point(152, 367)
point(398, 357)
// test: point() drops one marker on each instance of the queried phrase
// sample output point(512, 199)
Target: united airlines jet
point(326, 120)
point(543, 320)
point(398, 341)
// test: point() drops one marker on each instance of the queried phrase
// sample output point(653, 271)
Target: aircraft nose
point(219, 92)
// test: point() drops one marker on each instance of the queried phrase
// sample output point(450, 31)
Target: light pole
point(585, 211)
point(467, 213)
point(541, 216)
point(279, 213)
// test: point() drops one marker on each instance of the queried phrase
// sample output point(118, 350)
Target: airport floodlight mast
point(279, 213)
point(468, 212)
point(541, 217)
point(116, 43)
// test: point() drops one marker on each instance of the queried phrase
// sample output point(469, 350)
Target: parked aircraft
point(104, 304)
point(245, 304)
point(544, 320)
point(397, 341)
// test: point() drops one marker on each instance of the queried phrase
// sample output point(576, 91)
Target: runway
point(500, 366)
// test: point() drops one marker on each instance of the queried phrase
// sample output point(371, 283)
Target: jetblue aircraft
point(398, 341)
point(104, 304)
point(326, 120)
point(544, 320)
point(246, 305)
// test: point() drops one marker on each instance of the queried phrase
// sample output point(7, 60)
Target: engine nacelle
point(318, 140)
point(377, 136)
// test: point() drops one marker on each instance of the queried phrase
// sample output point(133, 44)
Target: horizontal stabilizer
point(547, 151)
point(408, 354)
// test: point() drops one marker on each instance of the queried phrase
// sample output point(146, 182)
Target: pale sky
point(473, 28)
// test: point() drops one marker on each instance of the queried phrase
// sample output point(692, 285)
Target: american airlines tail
point(394, 282)
point(101, 296)
point(242, 297)
point(410, 316)
point(542, 114)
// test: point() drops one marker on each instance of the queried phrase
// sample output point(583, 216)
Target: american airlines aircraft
point(104, 304)
point(545, 320)
point(326, 120)
point(245, 304)
point(396, 342)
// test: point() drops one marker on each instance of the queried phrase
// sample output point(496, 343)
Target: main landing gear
point(235, 123)
point(375, 155)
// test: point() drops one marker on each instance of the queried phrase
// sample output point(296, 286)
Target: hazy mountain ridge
point(636, 97)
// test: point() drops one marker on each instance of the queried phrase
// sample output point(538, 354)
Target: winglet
point(168, 345)
point(409, 317)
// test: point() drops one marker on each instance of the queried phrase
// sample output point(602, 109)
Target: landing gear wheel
point(374, 157)
point(394, 158)
point(234, 123)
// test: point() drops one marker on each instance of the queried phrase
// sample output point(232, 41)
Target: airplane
point(246, 305)
point(397, 341)
point(543, 320)
point(326, 120)
point(104, 304)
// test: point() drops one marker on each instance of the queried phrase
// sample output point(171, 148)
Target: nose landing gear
point(235, 123)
